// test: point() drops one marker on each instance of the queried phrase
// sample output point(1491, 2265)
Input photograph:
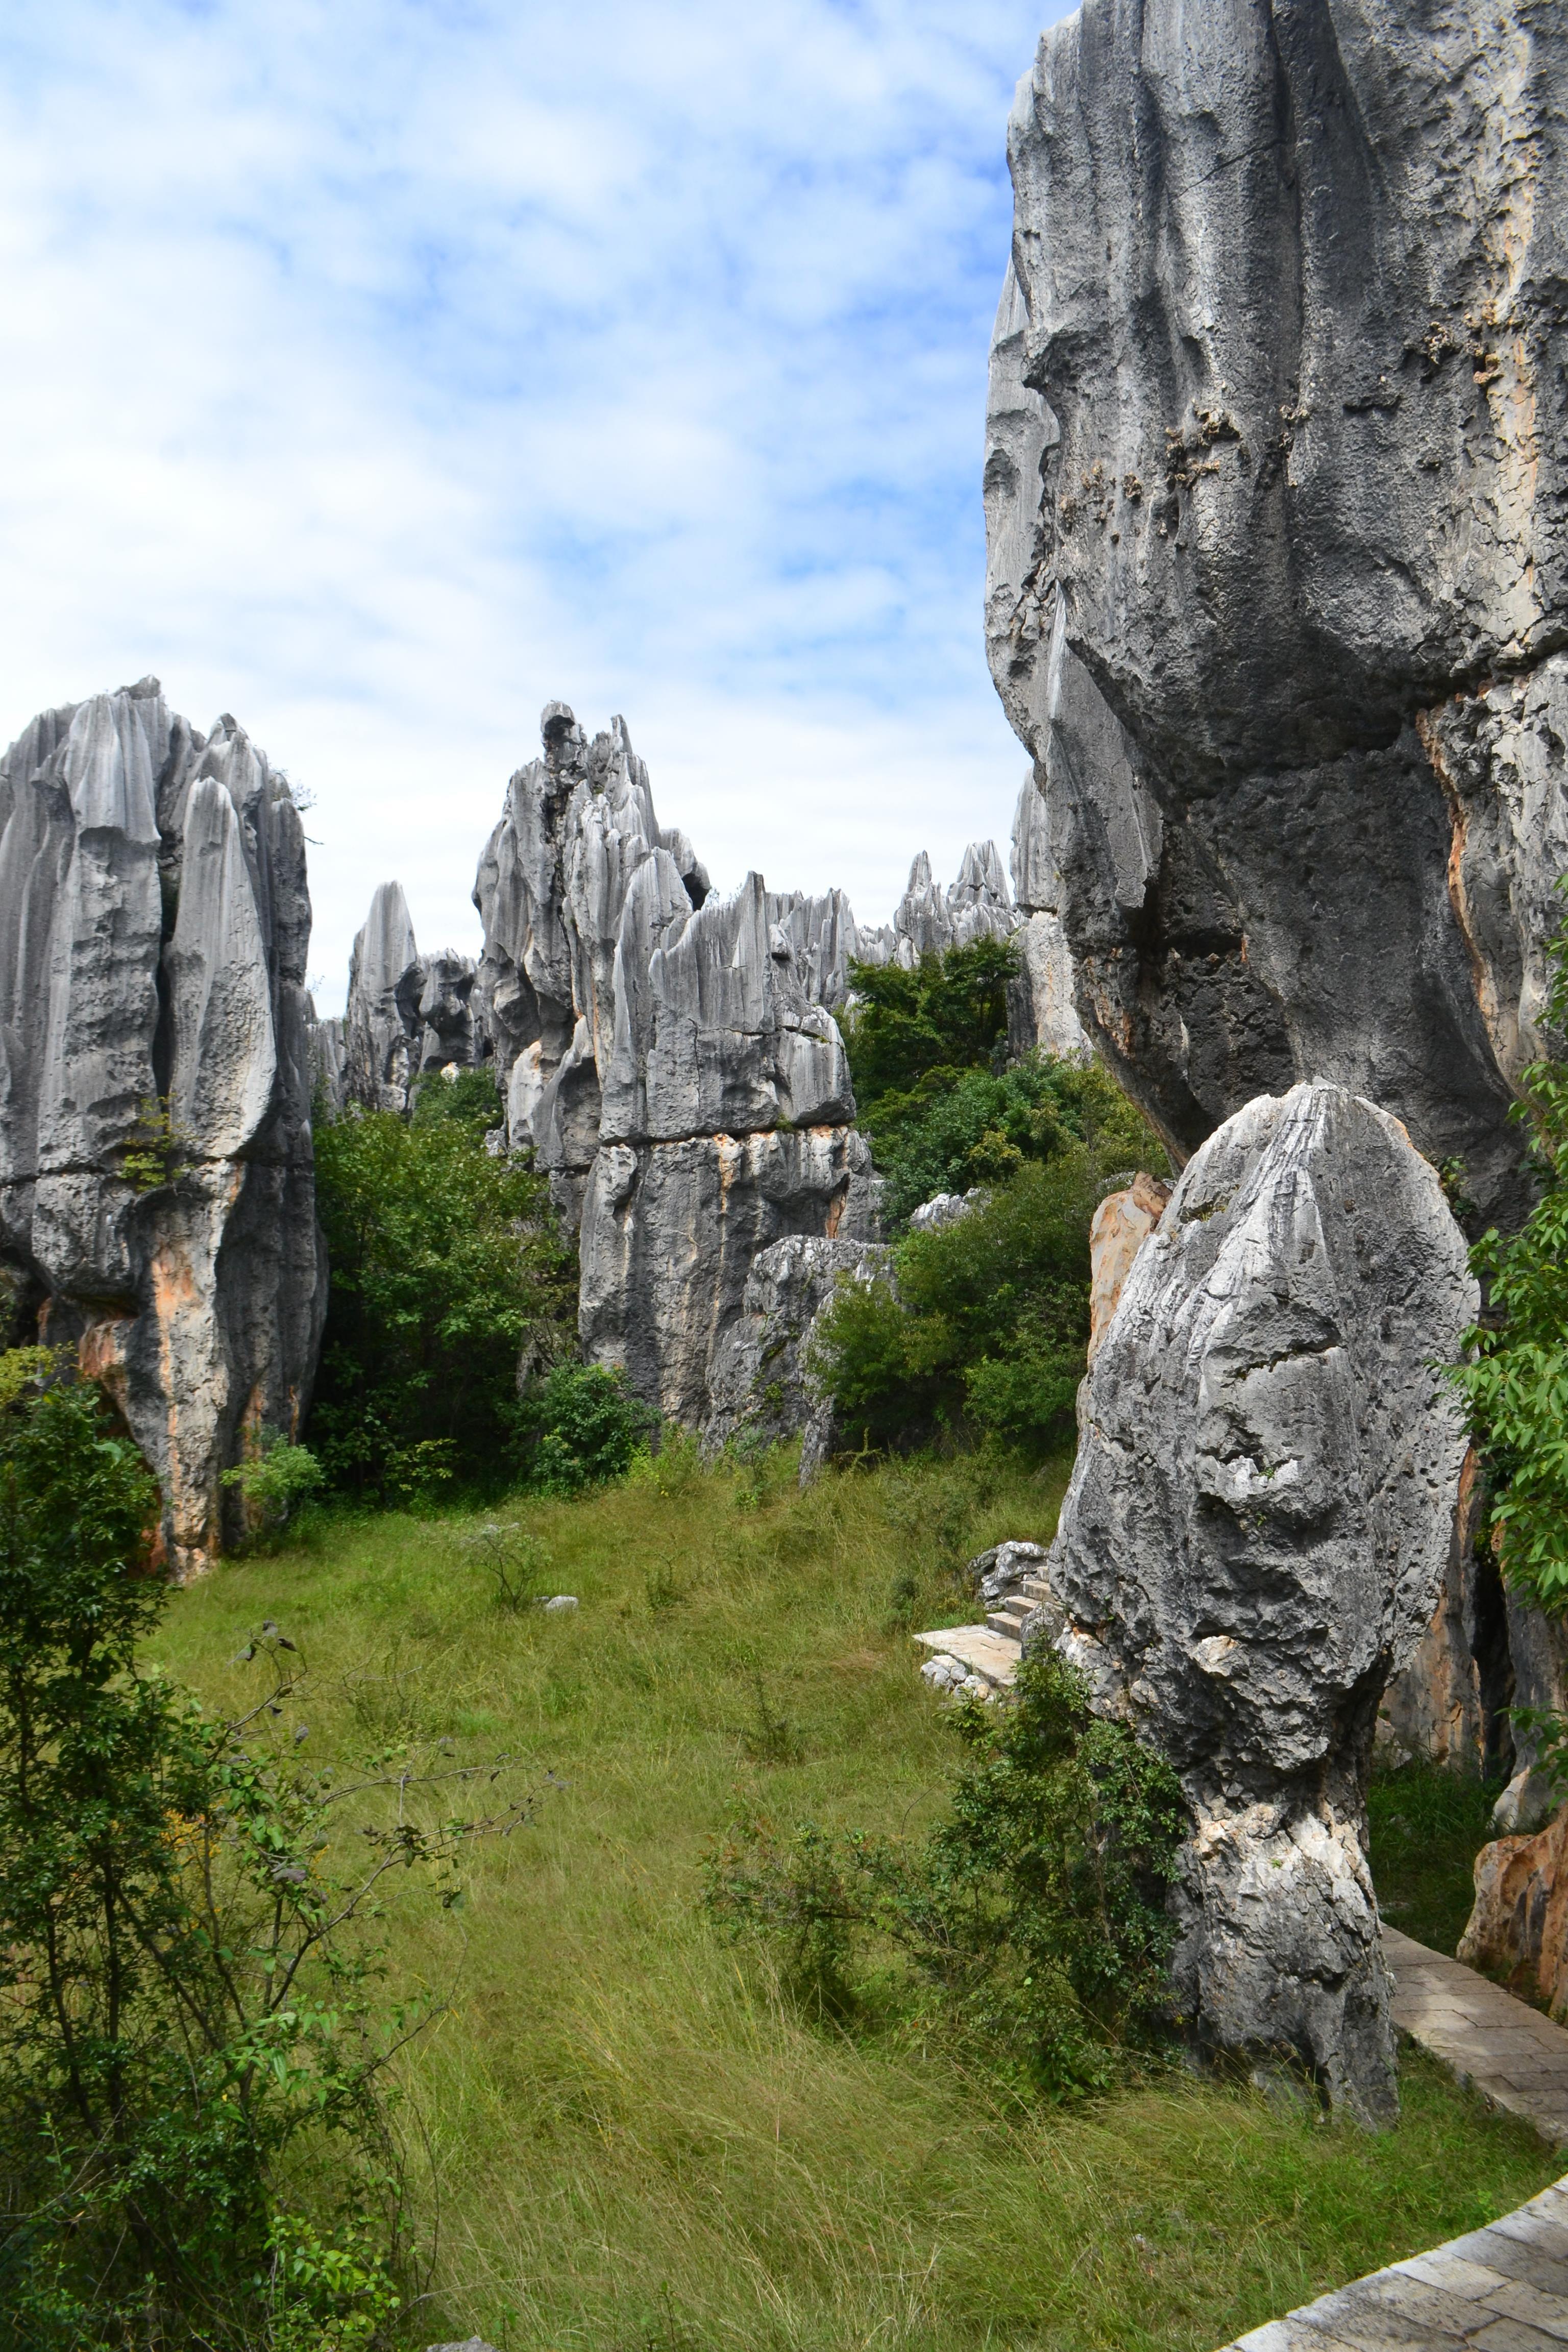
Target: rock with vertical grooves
point(1256, 1536)
point(670, 1233)
point(155, 920)
point(1275, 487)
point(760, 1388)
point(382, 1027)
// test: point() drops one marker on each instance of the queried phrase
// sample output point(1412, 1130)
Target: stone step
point(989, 1655)
point(1010, 1617)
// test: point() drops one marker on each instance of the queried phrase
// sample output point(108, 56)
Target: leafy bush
point(182, 2010)
point(1515, 1386)
point(951, 1131)
point(584, 1426)
point(1034, 1912)
point(983, 1326)
point(949, 1012)
point(276, 1480)
point(446, 1267)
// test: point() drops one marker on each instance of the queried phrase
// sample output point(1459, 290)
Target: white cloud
point(378, 369)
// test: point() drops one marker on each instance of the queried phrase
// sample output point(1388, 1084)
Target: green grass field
point(632, 2141)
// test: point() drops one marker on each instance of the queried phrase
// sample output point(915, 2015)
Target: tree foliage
point(983, 1326)
point(582, 1426)
point(446, 1267)
point(1515, 1385)
point(1034, 1912)
point(185, 2008)
point(949, 1012)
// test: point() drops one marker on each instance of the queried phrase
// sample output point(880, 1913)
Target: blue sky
point(378, 371)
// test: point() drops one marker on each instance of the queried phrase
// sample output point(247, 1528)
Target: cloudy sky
point(379, 369)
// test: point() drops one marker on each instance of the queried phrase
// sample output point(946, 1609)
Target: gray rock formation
point(1256, 1536)
point(760, 1388)
point(1275, 487)
point(154, 921)
point(668, 1054)
point(407, 1014)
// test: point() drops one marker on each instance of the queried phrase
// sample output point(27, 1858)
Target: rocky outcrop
point(1118, 1230)
point(1518, 1930)
point(1256, 1536)
point(668, 1057)
point(1275, 487)
point(157, 1203)
point(760, 1388)
point(407, 1014)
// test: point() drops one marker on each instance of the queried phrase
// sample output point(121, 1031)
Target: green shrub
point(952, 1130)
point(1034, 1913)
point(583, 1427)
point(983, 1326)
point(276, 1480)
point(949, 1012)
point(1515, 1386)
point(446, 1266)
point(185, 2013)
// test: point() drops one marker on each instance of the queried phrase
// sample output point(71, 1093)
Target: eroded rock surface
point(1275, 488)
point(760, 1388)
point(1256, 1536)
point(1519, 1928)
point(154, 921)
point(669, 1055)
point(407, 1014)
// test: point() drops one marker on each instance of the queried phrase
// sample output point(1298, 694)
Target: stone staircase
point(987, 1652)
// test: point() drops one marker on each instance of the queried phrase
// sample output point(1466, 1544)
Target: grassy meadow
point(624, 2135)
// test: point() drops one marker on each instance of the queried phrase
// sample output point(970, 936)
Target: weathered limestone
point(407, 1014)
point(1275, 493)
point(155, 920)
point(1255, 1537)
point(760, 1387)
point(1122, 1224)
point(1518, 1928)
point(668, 1054)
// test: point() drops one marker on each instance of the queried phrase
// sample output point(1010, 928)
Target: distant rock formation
point(407, 1014)
point(668, 1056)
point(1256, 1535)
point(1275, 489)
point(156, 1192)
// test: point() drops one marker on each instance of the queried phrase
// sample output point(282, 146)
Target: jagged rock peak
point(1278, 534)
point(154, 923)
point(408, 1013)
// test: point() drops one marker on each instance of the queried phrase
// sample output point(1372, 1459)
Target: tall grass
point(635, 2141)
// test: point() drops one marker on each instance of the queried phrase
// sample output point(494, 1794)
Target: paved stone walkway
point(1502, 2047)
point(1504, 2288)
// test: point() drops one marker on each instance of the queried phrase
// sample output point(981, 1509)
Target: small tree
point(185, 2006)
point(445, 1266)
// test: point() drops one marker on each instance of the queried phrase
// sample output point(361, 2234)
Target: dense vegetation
point(446, 1274)
point(1516, 1386)
point(1031, 1919)
point(641, 2136)
point(979, 1331)
point(942, 1106)
point(194, 2144)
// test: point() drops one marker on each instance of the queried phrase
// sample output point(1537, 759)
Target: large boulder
point(1275, 487)
point(761, 1387)
point(157, 1203)
point(1254, 1538)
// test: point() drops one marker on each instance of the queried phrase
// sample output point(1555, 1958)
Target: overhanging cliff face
point(154, 922)
point(1275, 485)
